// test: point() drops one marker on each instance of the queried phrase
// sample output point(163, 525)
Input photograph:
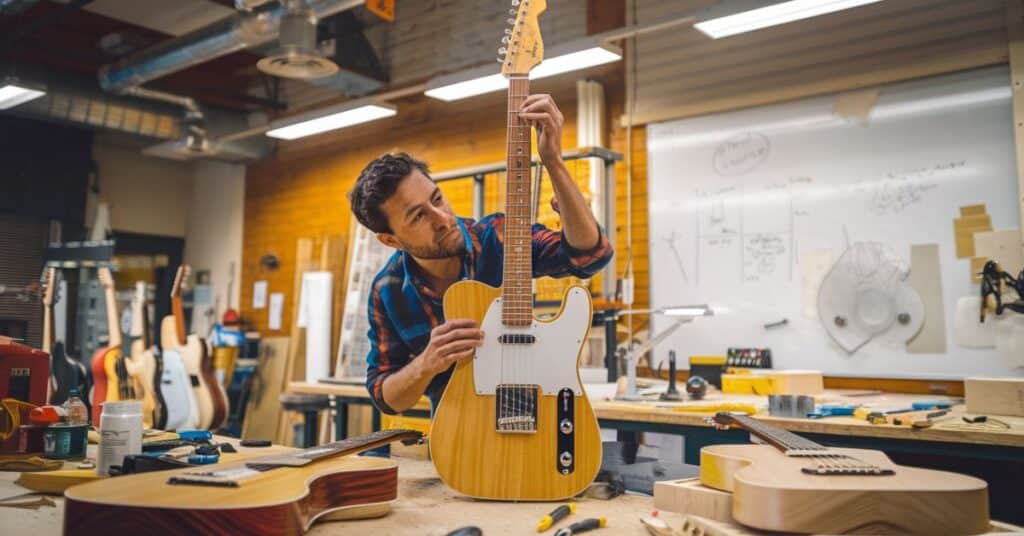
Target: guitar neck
point(113, 320)
point(517, 285)
point(178, 310)
point(783, 440)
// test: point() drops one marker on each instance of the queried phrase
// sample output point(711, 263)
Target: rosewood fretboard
point(517, 286)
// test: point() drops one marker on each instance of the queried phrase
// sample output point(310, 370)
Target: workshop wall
point(301, 192)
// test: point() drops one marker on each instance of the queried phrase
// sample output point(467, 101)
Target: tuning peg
point(515, 2)
point(504, 39)
point(503, 51)
point(508, 31)
point(511, 22)
point(501, 60)
point(512, 12)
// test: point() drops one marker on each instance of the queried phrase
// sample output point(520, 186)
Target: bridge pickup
point(517, 338)
point(515, 409)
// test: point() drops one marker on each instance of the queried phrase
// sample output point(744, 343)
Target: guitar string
point(830, 461)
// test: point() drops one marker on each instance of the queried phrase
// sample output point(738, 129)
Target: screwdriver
point(583, 526)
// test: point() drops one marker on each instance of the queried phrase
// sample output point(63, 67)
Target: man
point(413, 347)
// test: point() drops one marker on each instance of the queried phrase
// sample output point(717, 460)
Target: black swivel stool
point(310, 407)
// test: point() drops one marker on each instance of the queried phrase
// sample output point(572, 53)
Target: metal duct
point(237, 32)
point(92, 109)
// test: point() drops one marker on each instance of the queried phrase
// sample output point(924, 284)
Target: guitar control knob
point(565, 426)
point(565, 459)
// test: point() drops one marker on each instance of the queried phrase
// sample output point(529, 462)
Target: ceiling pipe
point(239, 31)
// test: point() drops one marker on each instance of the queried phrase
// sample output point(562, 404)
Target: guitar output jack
point(565, 459)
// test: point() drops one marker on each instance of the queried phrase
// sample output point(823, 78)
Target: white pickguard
point(550, 362)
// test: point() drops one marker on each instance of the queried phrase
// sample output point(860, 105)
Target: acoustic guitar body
point(469, 453)
point(771, 492)
point(283, 501)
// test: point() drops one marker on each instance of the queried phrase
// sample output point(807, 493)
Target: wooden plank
point(295, 365)
point(1015, 32)
point(995, 396)
point(264, 409)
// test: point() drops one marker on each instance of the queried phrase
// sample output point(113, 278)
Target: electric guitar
point(108, 381)
point(180, 402)
point(514, 422)
point(794, 485)
point(145, 359)
point(198, 359)
point(65, 373)
point(284, 493)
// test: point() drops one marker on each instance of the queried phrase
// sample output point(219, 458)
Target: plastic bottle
point(75, 409)
point(120, 433)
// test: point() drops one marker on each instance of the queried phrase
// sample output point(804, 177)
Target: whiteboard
point(747, 207)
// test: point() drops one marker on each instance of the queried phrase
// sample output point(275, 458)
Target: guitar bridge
point(515, 409)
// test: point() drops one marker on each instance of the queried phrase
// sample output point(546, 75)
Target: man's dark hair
point(378, 182)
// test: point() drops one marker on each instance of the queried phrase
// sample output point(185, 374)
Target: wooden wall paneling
point(684, 73)
point(1015, 31)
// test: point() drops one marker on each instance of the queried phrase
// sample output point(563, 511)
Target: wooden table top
point(950, 429)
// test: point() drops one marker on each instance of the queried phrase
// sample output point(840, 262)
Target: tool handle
point(582, 526)
point(555, 516)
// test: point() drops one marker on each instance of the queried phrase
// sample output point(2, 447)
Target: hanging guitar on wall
point(514, 422)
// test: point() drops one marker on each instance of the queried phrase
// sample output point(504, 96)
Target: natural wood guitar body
point(472, 458)
point(283, 501)
point(770, 492)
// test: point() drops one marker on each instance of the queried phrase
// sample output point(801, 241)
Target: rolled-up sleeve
point(554, 257)
point(387, 351)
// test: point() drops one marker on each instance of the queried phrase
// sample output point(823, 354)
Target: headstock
point(523, 48)
point(106, 278)
point(50, 289)
point(180, 280)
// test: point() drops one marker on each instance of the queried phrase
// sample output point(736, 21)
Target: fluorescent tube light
point(13, 93)
point(687, 310)
point(293, 128)
point(477, 82)
point(773, 15)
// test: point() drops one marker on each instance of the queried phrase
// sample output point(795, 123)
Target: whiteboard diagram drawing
point(759, 219)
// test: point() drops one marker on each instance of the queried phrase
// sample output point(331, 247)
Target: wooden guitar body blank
point(796, 486)
point(476, 460)
point(286, 501)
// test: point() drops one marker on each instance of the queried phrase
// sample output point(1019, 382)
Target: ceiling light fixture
point(561, 59)
point(14, 92)
point(720, 23)
point(332, 118)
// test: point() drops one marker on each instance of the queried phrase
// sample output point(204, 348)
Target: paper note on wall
point(276, 308)
point(259, 294)
point(315, 315)
point(1003, 246)
point(926, 278)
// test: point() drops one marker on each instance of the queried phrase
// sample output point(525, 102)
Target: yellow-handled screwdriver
point(555, 516)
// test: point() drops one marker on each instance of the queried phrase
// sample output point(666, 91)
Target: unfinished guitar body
point(469, 452)
point(771, 491)
point(284, 501)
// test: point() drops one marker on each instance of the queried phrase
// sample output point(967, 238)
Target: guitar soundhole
point(515, 408)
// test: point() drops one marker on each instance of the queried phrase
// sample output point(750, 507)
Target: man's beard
point(436, 251)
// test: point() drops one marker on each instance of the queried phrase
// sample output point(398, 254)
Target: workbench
point(425, 507)
point(628, 418)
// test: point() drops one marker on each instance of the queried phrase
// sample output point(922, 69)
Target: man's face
point(421, 220)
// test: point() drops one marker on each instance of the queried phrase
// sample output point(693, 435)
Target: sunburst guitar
point(514, 422)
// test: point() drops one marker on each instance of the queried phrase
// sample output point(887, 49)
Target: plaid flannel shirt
point(403, 309)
